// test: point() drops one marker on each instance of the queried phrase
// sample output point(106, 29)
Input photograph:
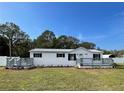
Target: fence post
point(7, 62)
point(92, 62)
point(82, 61)
point(101, 62)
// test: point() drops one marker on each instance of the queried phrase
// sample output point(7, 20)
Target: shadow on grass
point(119, 66)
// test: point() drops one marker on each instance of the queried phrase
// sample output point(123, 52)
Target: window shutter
point(93, 55)
point(40, 55)
point(63, 55)
point(99, 56)
point(74, 56)
point(68, 56)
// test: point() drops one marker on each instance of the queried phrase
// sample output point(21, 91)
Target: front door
point(80, 59)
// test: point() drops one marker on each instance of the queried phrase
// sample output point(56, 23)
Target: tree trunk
point(10, 50)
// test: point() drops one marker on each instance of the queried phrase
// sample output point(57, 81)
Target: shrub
point(42, 66)
point(114, 65)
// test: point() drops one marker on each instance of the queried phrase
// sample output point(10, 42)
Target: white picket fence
point(3, 60)
point(19, 62)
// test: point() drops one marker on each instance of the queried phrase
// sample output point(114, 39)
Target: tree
point(13, 34)
point(106, 51)
point(22, 49)
point(88, 45)
point(74, 42)
point(4, 49)
point(61, 42)
point(66, 42)
point(45, 40)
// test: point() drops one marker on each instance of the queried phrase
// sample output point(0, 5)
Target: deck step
point(96, 66)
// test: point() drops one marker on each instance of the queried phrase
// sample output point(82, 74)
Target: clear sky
point(101, 23)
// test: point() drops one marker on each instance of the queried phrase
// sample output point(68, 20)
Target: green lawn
point(62, 79)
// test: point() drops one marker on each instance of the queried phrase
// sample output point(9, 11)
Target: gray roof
point(94, 50)
point(50, 50)
point(60, 50)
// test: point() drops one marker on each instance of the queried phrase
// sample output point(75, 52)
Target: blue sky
point(101, 23)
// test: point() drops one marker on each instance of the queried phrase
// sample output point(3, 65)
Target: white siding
point(50, 59)
point(86, 54)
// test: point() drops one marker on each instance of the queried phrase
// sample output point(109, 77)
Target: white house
point(65, 57)
point(80, 57)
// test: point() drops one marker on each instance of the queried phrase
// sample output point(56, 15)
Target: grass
point(62, 79)
point(120, 66)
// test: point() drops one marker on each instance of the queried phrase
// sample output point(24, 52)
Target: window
point(81, 54)
point(96, 56)
point(60, 55)
point(37, 54)
point(71, 56)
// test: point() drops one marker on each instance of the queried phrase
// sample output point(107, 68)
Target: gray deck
point(91, 63)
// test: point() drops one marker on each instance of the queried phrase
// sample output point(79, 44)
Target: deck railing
point(19, 62)
point(95, 62)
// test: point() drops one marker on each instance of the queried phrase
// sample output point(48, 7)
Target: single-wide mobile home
point(66, 57)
